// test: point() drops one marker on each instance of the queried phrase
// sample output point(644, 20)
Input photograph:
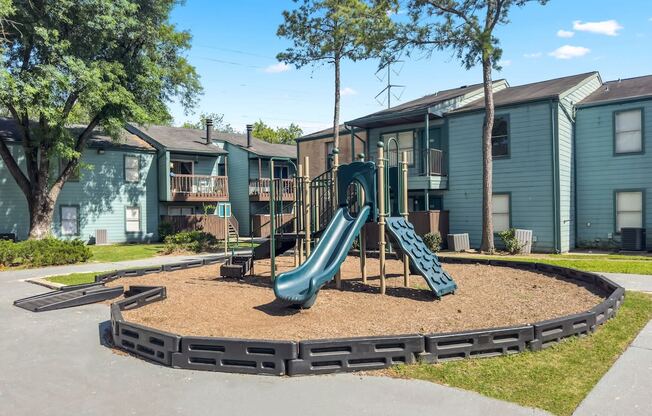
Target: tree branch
point(14, 169)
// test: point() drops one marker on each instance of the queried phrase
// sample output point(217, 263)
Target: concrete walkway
point(53, 363)
point(637, 282)
point(625, 389)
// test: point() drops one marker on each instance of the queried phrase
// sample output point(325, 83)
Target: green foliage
point(512, 245)
point(282, 135)
point(165, 229)
point(433, 241)
point(40, 253)
point(218, 123)
point(194, 241)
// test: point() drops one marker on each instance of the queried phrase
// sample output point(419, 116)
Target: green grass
point(122, 252)
point(555, 379)
point(608, 263)
point(73, 279)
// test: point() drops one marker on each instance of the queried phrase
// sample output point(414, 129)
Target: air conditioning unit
point(524, 238)
point(632, 239)
point(458, 242)
point(101, 237)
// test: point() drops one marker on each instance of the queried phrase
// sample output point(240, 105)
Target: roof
point(98, 139)
point(536, 91)
point(411, 108)
point(328, 132)
point(622, 89)
point(194, 141)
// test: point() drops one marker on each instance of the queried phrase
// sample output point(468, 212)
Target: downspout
point(555, 177)
point(573, 173)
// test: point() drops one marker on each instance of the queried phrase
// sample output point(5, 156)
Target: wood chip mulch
point(203, 304)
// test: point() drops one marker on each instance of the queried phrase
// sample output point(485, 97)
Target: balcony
point(259, 189)
point(426, 168)
point(199, 188)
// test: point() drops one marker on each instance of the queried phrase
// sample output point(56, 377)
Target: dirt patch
point(203, 304)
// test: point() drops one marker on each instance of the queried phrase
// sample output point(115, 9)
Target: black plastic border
point(348, 354)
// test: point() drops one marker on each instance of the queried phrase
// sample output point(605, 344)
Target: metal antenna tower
point(388, 88)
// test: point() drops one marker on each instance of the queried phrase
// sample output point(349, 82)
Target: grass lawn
point(555, 379)
point(121, 252)
point(74, 279)
point(608, 263)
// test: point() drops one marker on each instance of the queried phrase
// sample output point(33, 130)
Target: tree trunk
point(487, 244)
point(41, 211)
point(336, 112)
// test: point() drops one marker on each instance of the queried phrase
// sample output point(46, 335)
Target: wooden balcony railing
point(199, 188)
point(259, 189)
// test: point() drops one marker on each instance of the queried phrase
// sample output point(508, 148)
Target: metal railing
point(200, 186)
point(423, 163)
point(261, 187)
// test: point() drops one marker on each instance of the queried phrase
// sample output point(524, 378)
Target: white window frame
point(495, 212)
point(76, 209)
point(132, 221)
point(128, 169)
point(621, 132)
point(627, 210)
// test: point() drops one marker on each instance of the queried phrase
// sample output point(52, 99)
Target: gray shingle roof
point(536, 91)
point(618, 90)
point(9, 131)
point(194, 141)
point(328, 132)
point(415, 106)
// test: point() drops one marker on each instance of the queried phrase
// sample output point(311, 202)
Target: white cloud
point(569, 52)
point(347, 92)
point(277, 68)
point(533, 55)
point(606, 27)
point(565, 33)
point(505, 62)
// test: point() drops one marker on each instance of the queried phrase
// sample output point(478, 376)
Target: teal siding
point(600, 173)
point(527, 174)
point(101, 194)
point(238, 170)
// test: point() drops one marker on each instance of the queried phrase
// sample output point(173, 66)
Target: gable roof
point(325, 133)
point(420, 106)
point(536, 91)
point(619, 90)
point(99, 139)
point(180, 139)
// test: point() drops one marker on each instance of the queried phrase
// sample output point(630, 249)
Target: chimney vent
point(209, 130)
point(249, 130)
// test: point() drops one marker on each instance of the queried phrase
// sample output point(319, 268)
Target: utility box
point(632, 239)
point(458, 242)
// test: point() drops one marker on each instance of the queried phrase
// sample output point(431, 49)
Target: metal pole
point(381, 214)
point(404, 213)
point(272, 216)
point(306, 186)
point(363, 242)
point(300, 210)
point(336, 165)
point(226, 232)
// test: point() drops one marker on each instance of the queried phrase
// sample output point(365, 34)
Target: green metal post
point(272, 218)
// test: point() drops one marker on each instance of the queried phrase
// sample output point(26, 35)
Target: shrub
point(195, 241)
point(46, 252)
point(433, 241)
point(165, 229)
point(512, 245)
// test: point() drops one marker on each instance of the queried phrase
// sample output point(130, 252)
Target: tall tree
point(467, 27)
point(330, 31)
point(107, 61)
point(219, 124)
point(281, 135)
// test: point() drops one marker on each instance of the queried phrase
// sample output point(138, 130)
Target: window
point(69, 220)
point(281, 172)
point(329, 154)
point(628, 131)
point(182, 167)
point(500, 137)
point(132, 216)
point(501, 215)
point(629, 209)
point(405, 144)
point(132, 169)
point(74, 177)
point(179, 211)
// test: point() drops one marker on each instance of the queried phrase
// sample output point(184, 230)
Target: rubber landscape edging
point(325, 356)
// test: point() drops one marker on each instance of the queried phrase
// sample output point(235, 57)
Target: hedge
point(46, 252)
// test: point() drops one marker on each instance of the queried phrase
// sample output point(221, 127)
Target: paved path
point(638, 282)
point(52, 363)
point(625, 389)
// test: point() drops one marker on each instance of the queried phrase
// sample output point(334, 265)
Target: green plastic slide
point(301, 285)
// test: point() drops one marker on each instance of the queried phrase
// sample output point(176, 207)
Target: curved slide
point(301, 285)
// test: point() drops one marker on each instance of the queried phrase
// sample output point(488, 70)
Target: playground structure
point(333, 210)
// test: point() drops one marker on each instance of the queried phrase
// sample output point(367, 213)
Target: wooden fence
point(211, 224)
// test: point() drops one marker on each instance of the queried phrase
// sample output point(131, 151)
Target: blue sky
point(234, 45)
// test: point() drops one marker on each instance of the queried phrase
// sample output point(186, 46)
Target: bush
point(512, 245)
point(433, 241)
point(46, 252)
point(165, 229)
point(195, 241)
